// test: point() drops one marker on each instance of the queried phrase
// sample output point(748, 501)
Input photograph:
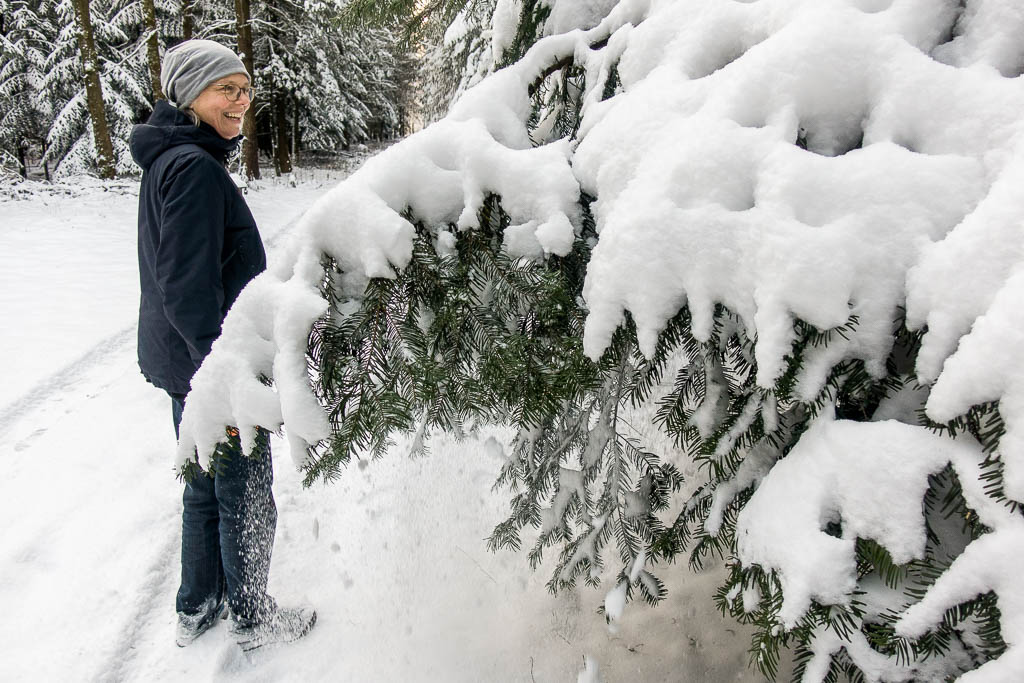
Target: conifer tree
point(244, 33)
point(471, 306)
point(152, 47)
point(24, 41)
point(326, 88)
point(320, 86)
point(94, 90)
point(187, 19)
point(453, 36)
point(121, 73)
point(457, 57)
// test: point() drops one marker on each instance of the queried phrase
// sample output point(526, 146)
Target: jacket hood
point(169, 127)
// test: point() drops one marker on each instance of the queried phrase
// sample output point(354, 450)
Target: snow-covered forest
point(710, 281)
point(320, 88)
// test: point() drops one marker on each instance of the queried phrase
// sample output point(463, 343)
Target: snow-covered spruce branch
point(581, 481)
point(483, 147)
point(782, 198)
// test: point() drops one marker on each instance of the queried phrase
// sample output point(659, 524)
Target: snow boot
point(284, 626)
point(191, 626)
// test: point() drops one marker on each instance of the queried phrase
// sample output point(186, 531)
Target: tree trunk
point(295, 127)
point(152, 48)
point(22, 162)
point(250, 149)
point(281, 41)
point(94, 91)
point(284, 160)
point(274, 123)
point(188, 19)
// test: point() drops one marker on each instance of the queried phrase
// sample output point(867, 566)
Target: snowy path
point(392, 555)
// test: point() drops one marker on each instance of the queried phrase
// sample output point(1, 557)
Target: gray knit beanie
point(191, 66)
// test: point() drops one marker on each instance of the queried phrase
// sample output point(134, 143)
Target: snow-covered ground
point(392, 556)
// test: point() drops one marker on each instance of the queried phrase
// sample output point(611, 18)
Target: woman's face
point(213, 106)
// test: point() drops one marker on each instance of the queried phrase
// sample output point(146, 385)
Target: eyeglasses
point(233, 93)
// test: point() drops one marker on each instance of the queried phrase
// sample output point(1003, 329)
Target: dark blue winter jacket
point(198, 244)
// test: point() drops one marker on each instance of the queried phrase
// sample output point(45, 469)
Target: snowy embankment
point(392, 556)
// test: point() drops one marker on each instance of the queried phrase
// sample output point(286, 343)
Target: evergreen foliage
point(416, 356)
point(458, 54)
point(460, 339)
point(24, 44)
point(123, 79)
point(454, 37)
point(344, 84)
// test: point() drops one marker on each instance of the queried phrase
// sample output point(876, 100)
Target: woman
point(198, 247)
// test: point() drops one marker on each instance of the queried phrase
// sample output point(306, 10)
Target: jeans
point(227, 533)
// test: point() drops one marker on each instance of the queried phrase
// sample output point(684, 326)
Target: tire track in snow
point(283, 232)
point(118, 664)
point(70, 376)
point(143, 626)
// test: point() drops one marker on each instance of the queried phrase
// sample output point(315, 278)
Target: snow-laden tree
point(465, 40)
point(44, 86)
point(791, 229)
point(24, 115)
point(458, 53)
point(459, 41)
point(342, 83)
point(123, 78)
point(150, 26)
point(94, 103)
point(320, 85)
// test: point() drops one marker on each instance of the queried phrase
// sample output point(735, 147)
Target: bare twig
point(477, 564)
